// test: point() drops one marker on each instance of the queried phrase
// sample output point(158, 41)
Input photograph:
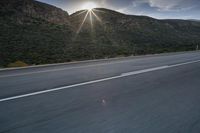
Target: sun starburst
point(89, 15)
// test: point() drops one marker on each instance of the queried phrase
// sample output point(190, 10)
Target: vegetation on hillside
point(33, 39)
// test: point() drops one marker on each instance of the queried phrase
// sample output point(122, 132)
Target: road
point(147, 94)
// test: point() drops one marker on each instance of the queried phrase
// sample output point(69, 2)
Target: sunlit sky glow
point(162, 9)
point(89, 5)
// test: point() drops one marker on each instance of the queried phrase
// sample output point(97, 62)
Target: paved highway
point(147, 94)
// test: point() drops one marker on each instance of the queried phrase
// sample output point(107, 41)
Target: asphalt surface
point(154, 101)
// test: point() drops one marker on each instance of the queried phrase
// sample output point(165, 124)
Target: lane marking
point(186, 63)
point(62, 69)
point(158, 68)
point(97, 81)
point(144, 71)
point(97, 60)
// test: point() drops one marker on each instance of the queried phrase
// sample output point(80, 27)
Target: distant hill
point(37, 33)
point(27, 9)
point(33, 32)
point(196, 20)
point(129, 34)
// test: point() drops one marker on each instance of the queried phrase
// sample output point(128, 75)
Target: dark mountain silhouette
point(38, 33)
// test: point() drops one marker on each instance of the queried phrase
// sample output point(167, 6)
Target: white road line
point(62, 69)
point(158, 68)
point(57, 89)
point(144, 71)
point(186, 63)
point(97, 81)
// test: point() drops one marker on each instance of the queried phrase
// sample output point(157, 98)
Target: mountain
point(129, 34)
point(24, 10)
point(38, 33)
point(33, 32)
point(195, 20)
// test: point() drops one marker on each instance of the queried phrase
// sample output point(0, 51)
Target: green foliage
point(37, 41)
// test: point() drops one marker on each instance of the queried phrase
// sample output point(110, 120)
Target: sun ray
point(96, 16)
point(101, 24)
point(83, 22)
point(91, 13)
point(91, 20)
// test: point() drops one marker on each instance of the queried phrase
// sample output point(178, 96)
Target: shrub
point(17, 64)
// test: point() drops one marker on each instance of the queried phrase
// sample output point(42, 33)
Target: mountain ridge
point(36, 9)
point(38, 33)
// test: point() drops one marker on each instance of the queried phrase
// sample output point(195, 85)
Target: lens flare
point(88, 14)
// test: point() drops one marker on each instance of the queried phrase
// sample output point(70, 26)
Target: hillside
point(128, 34)
point(37, 33)
point(33, 32)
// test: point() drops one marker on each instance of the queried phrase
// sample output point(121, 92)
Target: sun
point(89, 6)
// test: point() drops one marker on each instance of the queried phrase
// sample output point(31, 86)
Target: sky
point(161, 9)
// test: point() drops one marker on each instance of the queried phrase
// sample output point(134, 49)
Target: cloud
point(185, 9)
point(169, 5)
